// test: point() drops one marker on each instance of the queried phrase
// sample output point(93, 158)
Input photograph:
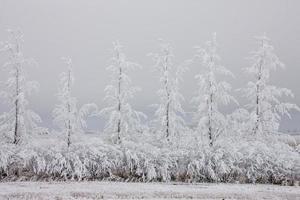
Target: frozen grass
point(122, 190)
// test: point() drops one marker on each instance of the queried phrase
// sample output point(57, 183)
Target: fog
point(85, 30)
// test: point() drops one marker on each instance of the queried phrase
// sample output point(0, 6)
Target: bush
point(244, 162)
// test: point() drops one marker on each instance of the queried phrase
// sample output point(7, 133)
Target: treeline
point(243, 146)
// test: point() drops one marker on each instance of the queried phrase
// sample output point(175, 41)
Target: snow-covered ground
point(120, 190)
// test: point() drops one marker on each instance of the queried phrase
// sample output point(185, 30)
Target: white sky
point(84, 30)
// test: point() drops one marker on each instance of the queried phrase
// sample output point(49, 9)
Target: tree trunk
point(168, 99)
point(16, 129)
point(258, 93)
point(69, 128)
point(69, 110)
point(210, 104)
point(257, 112)
point(119, 104)
point(167, 122)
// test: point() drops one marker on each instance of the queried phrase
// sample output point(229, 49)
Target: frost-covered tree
point(123, 120)
point(19, 120)
point(211, 92)
point(265, 98)
point(169, 113)
point(66, 114)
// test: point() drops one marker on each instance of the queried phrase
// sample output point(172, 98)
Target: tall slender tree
point(123, 121)
point(66, 114)
point(19, 120)
point(212, 92)
point(265, 98)
point(169, 113)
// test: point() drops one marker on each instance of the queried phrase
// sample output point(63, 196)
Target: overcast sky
point(85, 29)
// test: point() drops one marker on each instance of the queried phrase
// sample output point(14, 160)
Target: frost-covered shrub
point(244, 161)
point(265, 163)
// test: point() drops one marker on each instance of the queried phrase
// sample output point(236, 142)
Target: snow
point(122, 190)
point(240, 147)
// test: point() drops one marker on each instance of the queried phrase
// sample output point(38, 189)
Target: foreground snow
point(120, 190)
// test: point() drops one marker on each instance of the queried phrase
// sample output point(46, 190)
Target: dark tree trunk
point(69, 111)
point(119, 104)
point(16, 129)
point(168, 101)
point(210, 107)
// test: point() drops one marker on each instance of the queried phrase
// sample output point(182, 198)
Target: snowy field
point(120, 190)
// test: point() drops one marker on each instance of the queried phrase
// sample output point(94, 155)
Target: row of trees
point(123, 121)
